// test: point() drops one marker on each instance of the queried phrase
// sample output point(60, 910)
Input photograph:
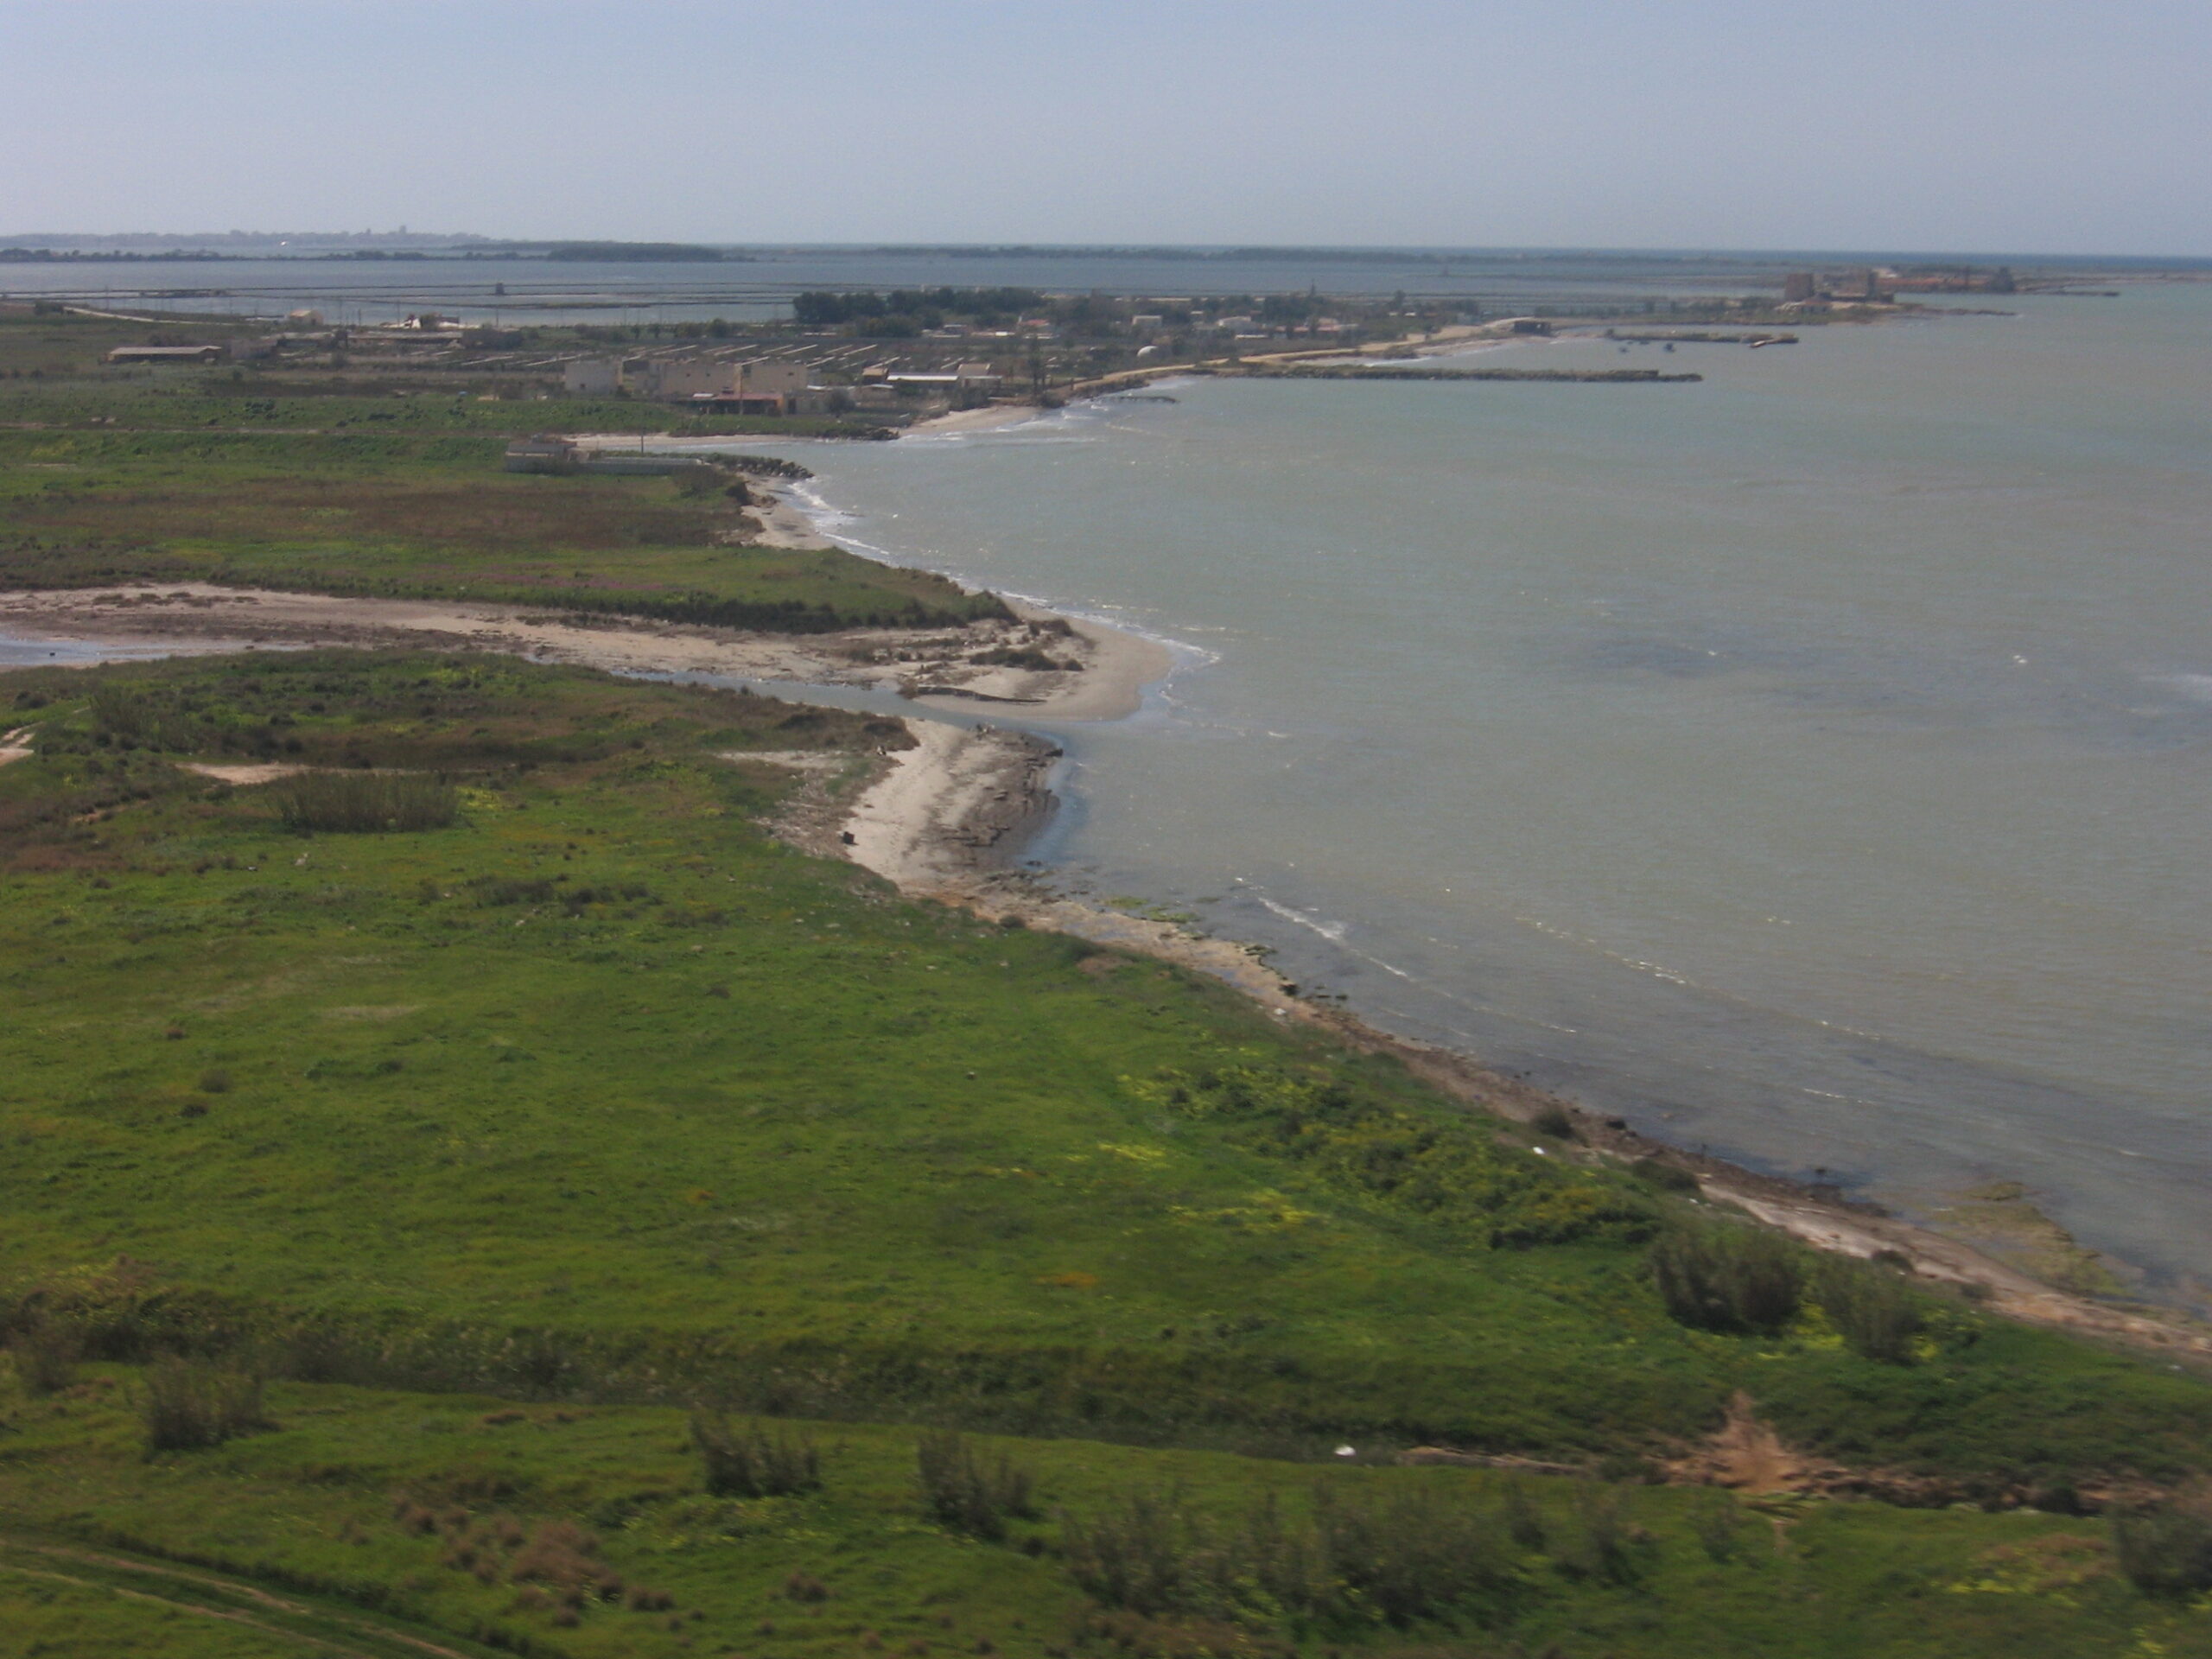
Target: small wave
point(817, 511)
point(2197, 688)
point(1332, 931)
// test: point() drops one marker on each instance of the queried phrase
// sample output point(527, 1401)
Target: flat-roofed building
point(769, 386)
point(544, 453)
point(679, 377)
point(593, 377)
point(165, 355)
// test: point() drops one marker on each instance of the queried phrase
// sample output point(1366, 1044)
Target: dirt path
point(271, 1615)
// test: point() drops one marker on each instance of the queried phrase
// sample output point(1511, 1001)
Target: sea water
point(1809, 764)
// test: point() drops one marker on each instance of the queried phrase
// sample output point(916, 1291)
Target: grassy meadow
point(495, 1144)
point(465, 1186)
point(371, 1512)
point(277, 479)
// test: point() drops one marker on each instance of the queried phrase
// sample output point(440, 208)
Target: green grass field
point(390, 514)
point(593, 1101)
point(275, 479)
point(371, 1511)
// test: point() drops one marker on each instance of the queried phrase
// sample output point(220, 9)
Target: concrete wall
point(591, 377)
point(774, 379)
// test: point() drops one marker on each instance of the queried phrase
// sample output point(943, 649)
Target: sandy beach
point(987, 418)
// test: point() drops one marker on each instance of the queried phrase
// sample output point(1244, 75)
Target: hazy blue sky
point(1978, 124)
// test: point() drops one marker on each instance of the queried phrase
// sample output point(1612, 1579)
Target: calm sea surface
point(515, 291)
point(1811, 763)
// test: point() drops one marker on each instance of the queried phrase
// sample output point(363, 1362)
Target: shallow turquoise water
point(1810, 763)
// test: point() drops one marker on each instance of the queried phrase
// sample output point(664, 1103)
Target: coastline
point(943, 821)
point(911, 827)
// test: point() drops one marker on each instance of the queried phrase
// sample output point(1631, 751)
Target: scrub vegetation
point(407, 515)
point(564, 1220)
point(108, 477)
point(464, 1181)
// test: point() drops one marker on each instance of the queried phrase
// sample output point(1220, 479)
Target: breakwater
point(1376, 372)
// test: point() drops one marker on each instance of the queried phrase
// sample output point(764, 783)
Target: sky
point(2026, 126)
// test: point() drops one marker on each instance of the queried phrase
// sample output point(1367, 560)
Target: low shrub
point(185, 1405)
point(1395, 1558)
point(753, 1461)
point(1600, 1548)
point(1718, 1520)
point(46, 1355)
point(2167, 1550)
point(1666, 1177)
point(973, 1492)
point(564, 1558)
point(1870, 1308)
point(364, 801)
point(1145, 1554)
point(1728, 1278)
point(1414, 1554)
point(1522, 1520)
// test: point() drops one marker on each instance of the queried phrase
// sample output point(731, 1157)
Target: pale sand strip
point(1117, 666)
point(950, 805)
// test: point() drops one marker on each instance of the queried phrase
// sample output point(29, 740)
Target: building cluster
point(768, 385)
point(549, 452)
point(1816, 291)
point(720, 384)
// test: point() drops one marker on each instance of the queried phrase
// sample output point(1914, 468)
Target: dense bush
point(357, 801)
point(1666, 1177)
point(1522, 1520)
point(1413, 1554)
point(1599, 1546)
point(753, 1461)
point(1728, 1278)
point(2167, 1550)
point(1871, 1308)
point(46, 1353)
point(185, 1405)
point(1394, 1558)
point(1718, 1520)
point(974, 1493)
point(1149, 1554)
